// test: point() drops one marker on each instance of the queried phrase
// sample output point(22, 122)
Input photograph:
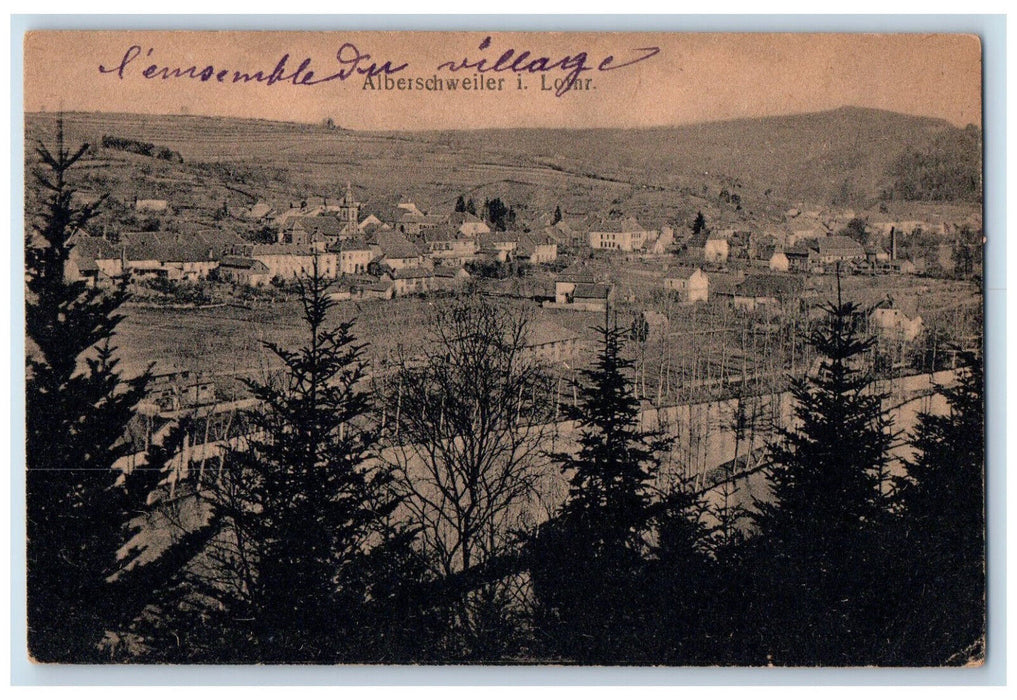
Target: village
point(711, 310)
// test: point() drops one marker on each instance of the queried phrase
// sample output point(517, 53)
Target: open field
point(700, 343)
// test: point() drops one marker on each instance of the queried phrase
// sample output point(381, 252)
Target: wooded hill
point(848, 156)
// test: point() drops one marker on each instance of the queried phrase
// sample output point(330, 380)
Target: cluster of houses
point(813, 250)
point(812, 254)
point(403, 251)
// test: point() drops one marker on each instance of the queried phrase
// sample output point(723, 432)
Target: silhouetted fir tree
point(314, 511)
point(498, 214)
point(588, 562)
point(77, 410)
point(471, 207)
point(943, 544)
point(820, 554)
point(684, 616)
point(460, 205)
point(557, 215)
point(699, 224)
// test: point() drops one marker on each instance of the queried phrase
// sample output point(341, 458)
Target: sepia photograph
point(504, 348)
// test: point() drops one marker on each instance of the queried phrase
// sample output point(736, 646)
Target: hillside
point(847, 156)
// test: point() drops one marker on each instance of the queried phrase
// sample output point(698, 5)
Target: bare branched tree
point(468, 444)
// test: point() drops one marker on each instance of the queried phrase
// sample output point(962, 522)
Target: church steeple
point(350, 209)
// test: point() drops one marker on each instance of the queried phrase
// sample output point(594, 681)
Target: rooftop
point(591, 291)
point(395, 245)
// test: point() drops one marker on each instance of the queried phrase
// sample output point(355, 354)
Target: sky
point(681, 78)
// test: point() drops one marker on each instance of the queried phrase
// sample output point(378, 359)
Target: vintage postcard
point(504, 348)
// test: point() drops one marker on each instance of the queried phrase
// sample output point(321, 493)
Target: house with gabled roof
point(411, 280)
point(690, 284)
point(590, 297)
point(890, 323)
point(625, 235)
point(578, 290)
point(243, 270)
point(662, 243)
point(569, 233)
point(311, 230)
point(447, 246)
point(367, 287)
point(371, 221)
point(396, 251)
point(498, 245)
point(173, 255)
point(291, 261)
point(449, 277)
point(566, 284)
point(834, 249)
point(548, 341)
point(716, 249)
point(467, 224)
point(355, 257)
point(536, 249)
point(408, 219)
point(91, 259)
point(801, 258)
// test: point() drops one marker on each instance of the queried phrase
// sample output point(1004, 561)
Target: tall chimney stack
point(893, 243)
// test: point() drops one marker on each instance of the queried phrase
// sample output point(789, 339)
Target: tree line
point(142, 148)
point(445, 524)
point(493, 211)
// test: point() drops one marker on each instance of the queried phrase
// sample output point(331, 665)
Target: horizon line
point(676, 125)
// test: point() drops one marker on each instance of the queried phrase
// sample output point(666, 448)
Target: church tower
point(349, 210)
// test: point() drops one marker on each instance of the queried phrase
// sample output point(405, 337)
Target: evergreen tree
point(460, 205)
point(819, 555)
point(588, 562)
point(699, 224)
point(471, 207)
point(943, 502)
point(686, 619)
point(557, 215)
point(77, 411)
point(497, 214)
point(314, 512)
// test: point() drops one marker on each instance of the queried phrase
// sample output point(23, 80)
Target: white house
point(690, 284)
point(355, 257)
point(626, 235)
point(537, 249)
point(565, 285)
point(290, 261)
point(716, 250)
point(890, 323)
point(779, 262)
point(397, 252)
point(468, 224)
point(663, 242)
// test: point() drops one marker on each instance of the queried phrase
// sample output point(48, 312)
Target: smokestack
point(893, 243)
